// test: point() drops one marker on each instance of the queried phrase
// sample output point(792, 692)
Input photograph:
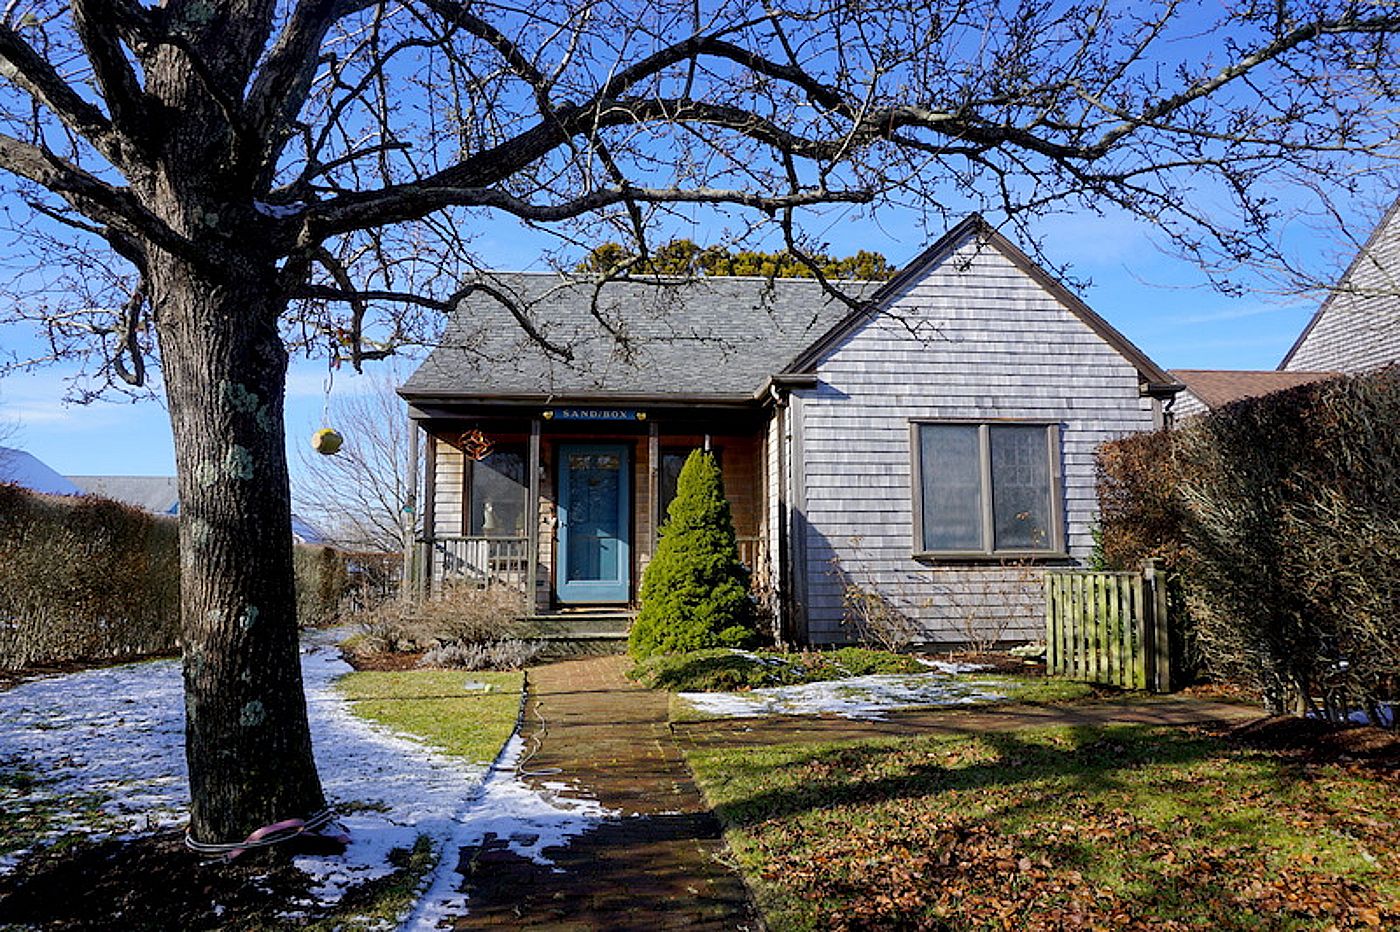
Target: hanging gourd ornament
point(326, 441)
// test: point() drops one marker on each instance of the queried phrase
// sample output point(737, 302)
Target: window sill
point(1003, 556)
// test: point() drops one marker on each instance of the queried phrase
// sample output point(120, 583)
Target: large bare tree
point(224, 179)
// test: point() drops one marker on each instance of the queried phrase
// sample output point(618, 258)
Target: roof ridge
point(646, 279)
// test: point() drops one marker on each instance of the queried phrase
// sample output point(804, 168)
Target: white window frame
point(1054, 548)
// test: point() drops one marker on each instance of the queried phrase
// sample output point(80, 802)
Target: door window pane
point(952, 486)
point(497, 494)
point(1020, 487)
point(594, 493)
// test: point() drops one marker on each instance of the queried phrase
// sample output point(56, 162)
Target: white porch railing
point(487, 561)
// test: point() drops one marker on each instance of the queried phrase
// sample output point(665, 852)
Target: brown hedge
point(88, 579)
point(1281, 517)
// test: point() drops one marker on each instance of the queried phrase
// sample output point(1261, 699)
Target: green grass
point(1056, 828)
point(720, 669)
point(436, 706)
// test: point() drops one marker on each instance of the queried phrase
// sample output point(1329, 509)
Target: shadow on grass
point(1086, 760)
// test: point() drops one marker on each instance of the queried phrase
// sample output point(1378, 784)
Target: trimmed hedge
point(1281, 518)
point(89, 579)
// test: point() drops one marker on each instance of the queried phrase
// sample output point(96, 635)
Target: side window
point(496, 491)
point(987, 488)
point(672, 460)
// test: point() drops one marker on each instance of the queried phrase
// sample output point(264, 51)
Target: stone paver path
point(661, 865)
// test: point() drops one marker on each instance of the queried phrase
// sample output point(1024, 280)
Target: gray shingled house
point(933, 444)
point(1357, 328)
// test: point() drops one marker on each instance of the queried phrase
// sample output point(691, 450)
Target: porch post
point(653, 484)
point(429, 512)
point(532, 520)
point(408, 516)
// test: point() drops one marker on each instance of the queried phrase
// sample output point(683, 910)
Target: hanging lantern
point(326, 441)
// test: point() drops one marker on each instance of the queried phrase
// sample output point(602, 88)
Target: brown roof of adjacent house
point(1216, 387)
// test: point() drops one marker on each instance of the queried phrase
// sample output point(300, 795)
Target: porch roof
point(711, 338)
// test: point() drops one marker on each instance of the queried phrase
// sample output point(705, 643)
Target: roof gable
point(706, 339)
point(1344, 299)
point(156, 494)
point(1156, 379)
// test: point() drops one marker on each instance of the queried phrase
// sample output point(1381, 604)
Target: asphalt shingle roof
point(712, 337)
point(1216, 387)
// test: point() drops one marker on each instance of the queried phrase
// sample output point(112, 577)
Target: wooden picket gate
point(1109, 628)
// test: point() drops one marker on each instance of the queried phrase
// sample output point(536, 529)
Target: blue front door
point(595, 561)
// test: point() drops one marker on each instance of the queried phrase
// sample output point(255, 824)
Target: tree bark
point(248, 743)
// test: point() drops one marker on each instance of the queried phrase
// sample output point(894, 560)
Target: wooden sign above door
point(593, 414)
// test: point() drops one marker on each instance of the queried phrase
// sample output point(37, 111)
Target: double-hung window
point(987, 489)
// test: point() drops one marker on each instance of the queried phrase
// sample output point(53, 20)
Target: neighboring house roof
point(156, 494)
point(160, 495)
point(304, 532)
point(711, 338)
point(1357, 327)
point(1215, 387)
point(715, 338)
point(28, 471)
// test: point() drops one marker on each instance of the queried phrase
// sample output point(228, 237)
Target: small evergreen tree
point(695, 591)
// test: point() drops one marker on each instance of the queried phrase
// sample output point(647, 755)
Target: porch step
point(581, 626)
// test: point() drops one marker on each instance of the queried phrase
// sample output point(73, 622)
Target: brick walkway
point(663, 865)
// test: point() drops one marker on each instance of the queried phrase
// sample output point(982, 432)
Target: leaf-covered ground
point(1118, 827)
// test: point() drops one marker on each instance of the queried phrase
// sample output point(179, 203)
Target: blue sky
point(1159, 302)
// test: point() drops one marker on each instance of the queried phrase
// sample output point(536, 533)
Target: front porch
point(565, 504)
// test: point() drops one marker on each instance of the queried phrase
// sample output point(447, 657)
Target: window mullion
point(984, 444)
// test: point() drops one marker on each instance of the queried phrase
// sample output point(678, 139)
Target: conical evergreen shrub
point(695, 591)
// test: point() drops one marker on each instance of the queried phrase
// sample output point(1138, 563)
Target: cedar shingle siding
point(1358, 327)
point(1000, 346)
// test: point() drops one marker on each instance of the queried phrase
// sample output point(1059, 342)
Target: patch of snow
point(951, 668)
point(278, 211)
point(861, 697)
point(118, 733)
point(414, 789)
point(530, 821)
point(1385, 717)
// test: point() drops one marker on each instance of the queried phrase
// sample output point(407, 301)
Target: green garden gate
point(1109, 628)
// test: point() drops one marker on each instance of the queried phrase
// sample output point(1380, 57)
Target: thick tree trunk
point(247, 740)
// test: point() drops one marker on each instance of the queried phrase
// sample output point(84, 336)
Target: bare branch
point(96, 23)
point(30, 72)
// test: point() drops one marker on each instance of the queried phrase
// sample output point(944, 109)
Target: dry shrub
point(1282, 514)
point(459, 613)
point(90, 579)
point(84, 579)
point(506, 654)
point(875, 620)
